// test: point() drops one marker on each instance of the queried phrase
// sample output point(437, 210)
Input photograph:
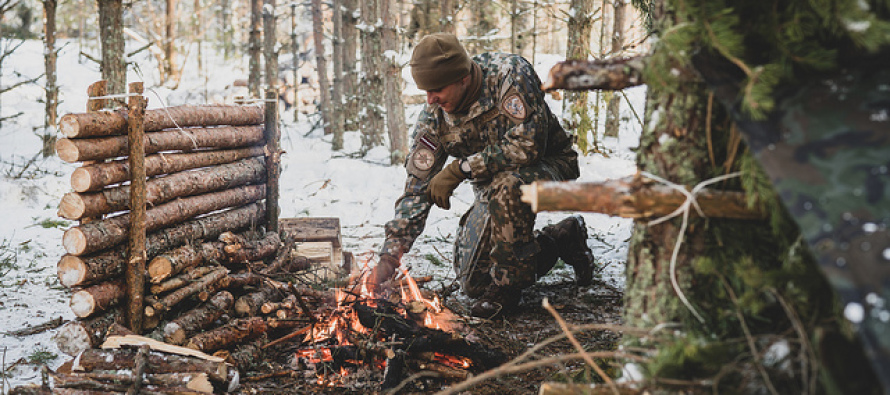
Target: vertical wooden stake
point(273, 159)
point(136, 256)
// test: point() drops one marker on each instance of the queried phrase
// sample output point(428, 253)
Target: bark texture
point(96, 176)
point(188, 323)
point(225, 336)
point(106, 233)
point(161, 190)
point(112, 123)
point(100, 148)
point(97, 298)
point(75, 270)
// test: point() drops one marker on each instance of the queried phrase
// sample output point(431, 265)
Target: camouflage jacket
point(507, 128)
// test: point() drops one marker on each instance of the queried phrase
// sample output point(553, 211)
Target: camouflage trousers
point(495, 240)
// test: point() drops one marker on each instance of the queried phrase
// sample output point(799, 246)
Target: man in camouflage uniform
point(489, 113)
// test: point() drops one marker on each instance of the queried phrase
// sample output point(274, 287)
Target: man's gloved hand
point(444, 183)
point(385, 270)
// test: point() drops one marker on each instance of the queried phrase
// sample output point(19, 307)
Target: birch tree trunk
point(518, 27)
point(114, 70)
point(395, 109)
point(372, 81)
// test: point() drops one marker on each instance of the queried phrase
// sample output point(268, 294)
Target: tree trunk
point(52, 90)
point(79, 150)
point(372, 81)
point(350, 39)
point(580, 25)
point(395, 109)
point(74, 270)
point(97, 176)
point(322, 67)
point(171, 71)
point(254, 47)
point(613, 115)
point(161, 190)
point(111, 123)
point(97, 298)
point(101, 234)
point(518, 27)
point(446, 15)
point(254, 250)
point(200, 318)
point(156, 306)
point(116, 359)
point(225, 336)
point(270, 54)
point(337, 111)
point(111, 36)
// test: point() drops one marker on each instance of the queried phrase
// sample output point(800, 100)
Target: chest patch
point(514, 106)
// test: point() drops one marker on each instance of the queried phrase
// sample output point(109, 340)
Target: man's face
point(449, 96)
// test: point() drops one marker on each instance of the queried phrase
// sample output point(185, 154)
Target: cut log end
point(74, 241)
point(174, 334)
point(72, 271)
point(81, 180)
point(72, 338)
point(67, 150)
point(82, 304)
point(159, 269)
point(72, 206)
point(68, 126)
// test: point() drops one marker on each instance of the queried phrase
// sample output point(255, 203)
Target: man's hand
point(443, 184)
point(385, 270)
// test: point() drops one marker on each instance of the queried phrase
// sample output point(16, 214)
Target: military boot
point(571, 242)
point(496, 302)
point(547, 257)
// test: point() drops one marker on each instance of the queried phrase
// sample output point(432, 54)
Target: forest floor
point(599, 303)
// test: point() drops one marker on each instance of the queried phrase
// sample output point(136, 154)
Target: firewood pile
point(203, 283)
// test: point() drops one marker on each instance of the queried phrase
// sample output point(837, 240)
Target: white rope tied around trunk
point(684, 210)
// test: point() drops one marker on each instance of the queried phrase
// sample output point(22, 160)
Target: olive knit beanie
point(439, 60)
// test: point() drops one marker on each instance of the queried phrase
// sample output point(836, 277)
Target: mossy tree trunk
point(578, 122)
point(111, 34)
point(735, 291)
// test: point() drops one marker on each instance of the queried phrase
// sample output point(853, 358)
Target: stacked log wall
point(206, 175)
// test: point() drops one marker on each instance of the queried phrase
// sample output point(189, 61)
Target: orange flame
point(453, 361)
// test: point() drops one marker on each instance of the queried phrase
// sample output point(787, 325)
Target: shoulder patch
point(514, 106)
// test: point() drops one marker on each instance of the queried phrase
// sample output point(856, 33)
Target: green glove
point(444, 183)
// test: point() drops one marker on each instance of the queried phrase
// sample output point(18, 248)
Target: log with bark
point(190, 322)
point(192, 139)
point(610, 74)
point(97, 298)
point(229, 334)
point(250, 304)
point(116, 359)
point(77, 270)
point(111, 123)
point(248, 355)
point(118, 382)
point(81, 334)
point(106, 233)
point(76, 205)
point(253, 250)
point(156, 306)
point(186, 278)
point(175, 261)
point(633, 197)
point(242, 279)
point(97, 176)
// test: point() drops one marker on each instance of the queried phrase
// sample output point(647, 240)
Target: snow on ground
point(315, 181)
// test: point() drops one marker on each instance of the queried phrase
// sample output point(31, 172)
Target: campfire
point(370, 338)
